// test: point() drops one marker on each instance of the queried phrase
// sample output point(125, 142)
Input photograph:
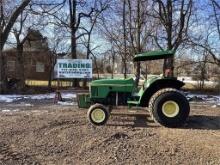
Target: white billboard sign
point(74, 68)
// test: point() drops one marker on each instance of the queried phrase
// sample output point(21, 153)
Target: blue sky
point(98, 40)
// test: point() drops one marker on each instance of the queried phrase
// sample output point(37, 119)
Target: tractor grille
point(94, 91)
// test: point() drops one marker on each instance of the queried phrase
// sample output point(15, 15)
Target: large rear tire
point(169, 107)
point(98, 114)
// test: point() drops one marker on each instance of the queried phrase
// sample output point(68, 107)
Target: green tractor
point(161, 95)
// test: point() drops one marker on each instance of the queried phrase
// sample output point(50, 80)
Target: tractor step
point(133, 112)
point(132, 102)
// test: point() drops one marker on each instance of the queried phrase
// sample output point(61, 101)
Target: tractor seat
point(136, 96)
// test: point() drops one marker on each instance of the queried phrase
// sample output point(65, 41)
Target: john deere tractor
point(161, 95)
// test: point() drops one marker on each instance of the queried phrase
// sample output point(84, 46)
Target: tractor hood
point(111, 82)
point(153, 55)
point(103, 88)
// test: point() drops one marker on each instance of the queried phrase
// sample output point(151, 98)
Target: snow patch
point(65, 103)
point(16, 110)
point(208, 98)
point(28, 105)
point(13, 98)
point(213, 99)
point(6, 110)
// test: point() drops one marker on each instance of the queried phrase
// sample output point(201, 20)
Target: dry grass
point(45, 83)
point(211, 89)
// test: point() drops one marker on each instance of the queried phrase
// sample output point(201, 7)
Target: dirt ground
point(54, 134)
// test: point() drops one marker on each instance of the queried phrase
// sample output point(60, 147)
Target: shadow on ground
point(131, 121)
point(203, 122)
point(194, 122)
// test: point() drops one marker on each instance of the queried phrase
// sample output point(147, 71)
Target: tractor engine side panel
point(111, 95)
point(114, 99)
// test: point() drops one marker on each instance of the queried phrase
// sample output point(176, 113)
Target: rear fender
point(157, 85)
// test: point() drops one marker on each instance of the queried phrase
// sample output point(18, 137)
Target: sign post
point(72, 68)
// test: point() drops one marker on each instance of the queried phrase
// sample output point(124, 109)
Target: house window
point(11, 66)
point(39, 67)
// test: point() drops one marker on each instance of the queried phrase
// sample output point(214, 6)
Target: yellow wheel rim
point(98, 115)
point(170, 109)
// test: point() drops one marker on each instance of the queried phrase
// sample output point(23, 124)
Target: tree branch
point(13, 18)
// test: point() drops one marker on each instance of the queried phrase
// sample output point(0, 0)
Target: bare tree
point(201, 70)
point(212, 52)
point(205, 39)
point(72, 21)
point(216, 9)
point(53, 58)
point(132, 32)
point(19, 47)
point(174, 16)
point(93, 21)
point(74, 26)
point(138, 30)
point(6, 24)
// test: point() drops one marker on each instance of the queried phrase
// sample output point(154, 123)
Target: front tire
point(98, 114)
point(169, 107)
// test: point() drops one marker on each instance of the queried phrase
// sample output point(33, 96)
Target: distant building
point(37, 58)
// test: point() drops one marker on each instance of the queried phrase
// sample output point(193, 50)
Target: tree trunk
point(73, 53)
point(3, 79)
point(124, 37)
point(20, 68)
point(146, 70)
point(50, 79)
point(113, 64)
point(138, 67)
point(51, 68)
point(87, 55)
point(168, 65)
point(96, 66)
point(73, 44)
point(72, 9)
point(138, 72)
